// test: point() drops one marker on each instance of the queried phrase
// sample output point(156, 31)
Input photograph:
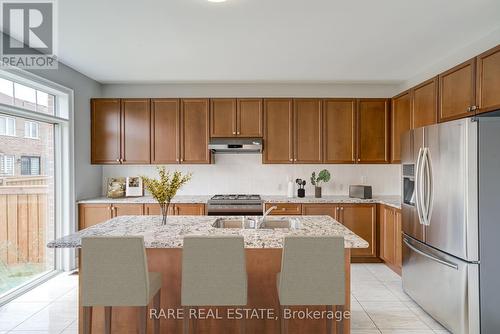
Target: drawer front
point(285, 208)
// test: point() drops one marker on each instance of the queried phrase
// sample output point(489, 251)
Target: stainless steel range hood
point(235, 145)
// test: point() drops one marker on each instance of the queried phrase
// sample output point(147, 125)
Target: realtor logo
point(28, 34)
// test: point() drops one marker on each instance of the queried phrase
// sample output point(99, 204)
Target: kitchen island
point(263, 256)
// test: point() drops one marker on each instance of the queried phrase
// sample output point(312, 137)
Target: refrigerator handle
point(429, 198)
point(418, 186)
point(431, 257)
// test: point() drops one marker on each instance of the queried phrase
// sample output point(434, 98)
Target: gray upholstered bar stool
point(115, 273)
point(312, 273)
point(213, 273)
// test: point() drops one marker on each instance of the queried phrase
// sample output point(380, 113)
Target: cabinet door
point(222, 117)
point(92, 214)
point(400, 123)
point(398, 239)
point(339, 131)
point(387, 233)
point(320, 210)
point(362, 220)
point(488, 80)
point(106, 131)
point(153, 209)
point(284, 209)
point(128, 210)
point(165, 116)
point(307, 131)
point(278, 143)
point(136, 131)
point(249, 118)
point(373, 131)
point(457, 91)
point(193, 209)
point(194, 131)
point(425, 103)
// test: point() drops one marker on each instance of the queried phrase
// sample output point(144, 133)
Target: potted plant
point(323, 176)
point(165, 188)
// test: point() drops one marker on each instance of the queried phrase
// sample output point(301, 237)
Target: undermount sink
point(268, 223)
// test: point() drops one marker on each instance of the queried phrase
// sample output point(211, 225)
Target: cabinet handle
point(117, 160)
point(238, 132)
point(359, 160)
point(469, 109)
point(342, 208)
point(234, 132)
point(474, 108)
point(291, 159)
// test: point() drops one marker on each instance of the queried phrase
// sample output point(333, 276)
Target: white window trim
point(64, 160)
point(6, 127)
point(31, 125)
point(3, 164)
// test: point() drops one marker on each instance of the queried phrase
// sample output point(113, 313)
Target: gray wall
point(87, 177)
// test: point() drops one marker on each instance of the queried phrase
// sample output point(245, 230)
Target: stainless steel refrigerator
point(451, 222)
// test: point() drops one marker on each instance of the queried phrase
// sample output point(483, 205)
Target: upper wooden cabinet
point(106, 131)
point(223, 118)
point(165, 126)
point(307, 122)
point(457, 96)
point(373, 131)
point(249, 118)
point(339, 131)
point(135, 131)
point(120, 131)
point(488, 80)
point(236, 118)
point(425, 103)
point(194, 131)
point(278, 131)
point(400, 123)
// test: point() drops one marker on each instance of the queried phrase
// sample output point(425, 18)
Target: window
point(30, 165)
point(6, 165)
point(31, 130)
point(7, 126)
point(16, 94)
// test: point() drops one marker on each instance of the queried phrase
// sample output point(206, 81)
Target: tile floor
point(379, 305)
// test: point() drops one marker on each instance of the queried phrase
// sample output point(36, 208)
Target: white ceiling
point(266, 40)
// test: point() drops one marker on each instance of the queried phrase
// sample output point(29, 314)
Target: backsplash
point(245, 173)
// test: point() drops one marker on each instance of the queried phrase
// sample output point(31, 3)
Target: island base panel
point(262, 267)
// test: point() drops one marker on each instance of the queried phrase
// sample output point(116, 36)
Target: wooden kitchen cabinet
point(105, 131)
point(194, 131)
point(457, 95)
point(488, 80)
point(339, 131)
point(135, 131)
point(285, 209)
point(223, 118)
point(373, 131)
point(120, 131)
point(249, 117)
point(127, 209)
point(165, 128)
point(314, 209)
point(278, 131)
point(425, 103)
point(400, 122)
point(362, 220)
point(153, 209)
point(391, 237)
point(92, 214)
point(189, 209)
point(307, 124)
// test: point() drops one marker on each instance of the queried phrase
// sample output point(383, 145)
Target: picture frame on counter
point(134, 186)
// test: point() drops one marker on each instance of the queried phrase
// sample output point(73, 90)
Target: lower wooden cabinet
point(391, 237)
point(92, 214)
point(283, 209)
point(320, 210)
point(362, 220)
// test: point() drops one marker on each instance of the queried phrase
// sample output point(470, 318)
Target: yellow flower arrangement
point(165, 188)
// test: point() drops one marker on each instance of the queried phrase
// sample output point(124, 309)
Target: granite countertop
point(394, 201)
point(171, 235)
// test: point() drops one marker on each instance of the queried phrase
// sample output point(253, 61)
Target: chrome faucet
point(268, 211)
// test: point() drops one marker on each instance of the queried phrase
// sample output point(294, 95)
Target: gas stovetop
point(237, 204)
point(236, 197)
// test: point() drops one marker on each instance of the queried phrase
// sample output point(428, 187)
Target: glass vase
point(164, 212)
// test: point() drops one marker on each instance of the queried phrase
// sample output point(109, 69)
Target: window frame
point(30, 159)
point(27, 134)
point(7, 118)
point(3, 163)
